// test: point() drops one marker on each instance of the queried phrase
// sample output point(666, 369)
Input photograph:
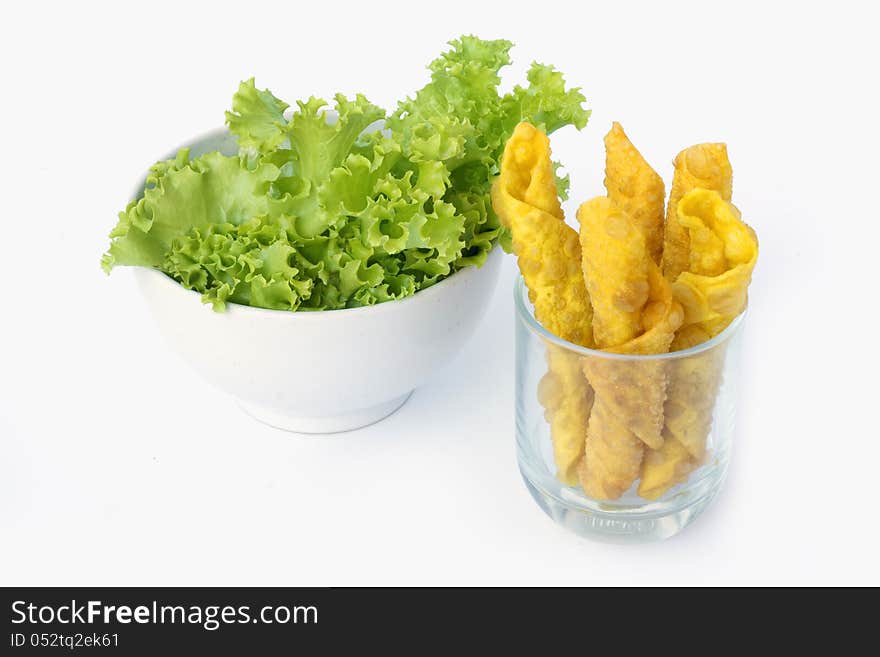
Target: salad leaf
point(562, 182)
point(460, 119)
point(545, 103)
point(251, 263)
point(183, 194)
point(257, 119)
point(334, 207)
point(316, 168)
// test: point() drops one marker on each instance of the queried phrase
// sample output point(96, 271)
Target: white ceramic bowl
point(326, 371)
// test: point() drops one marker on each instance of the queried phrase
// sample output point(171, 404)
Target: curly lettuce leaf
point(251, 263)
point(257, 120)
point(334, 209)
point(545, 103)
point(319, 157)
point(563, 182)
point(181, 195)
point(482, 228)
point(460, 119)
point(455, 118)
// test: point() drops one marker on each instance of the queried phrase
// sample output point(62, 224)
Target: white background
point(119, 466)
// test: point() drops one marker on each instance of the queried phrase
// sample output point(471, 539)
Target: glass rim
point(527, 316)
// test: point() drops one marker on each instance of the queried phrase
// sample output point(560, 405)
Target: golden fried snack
point(628, 395)
point(615, 269)
point(690, 398)
point(634, 313)
point(635, 187)
point(722, 255)
point(662, 317)
point(525, 199)
point(548, 252)
point(702, 166)
point(612, 458)
point(567, 399)
point(670, 463)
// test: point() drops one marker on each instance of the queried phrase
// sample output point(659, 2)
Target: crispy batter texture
point(628, 408)
point(549, 257)
point(548, 251)
point(704, 166)
point(723, 253)
point(613, 251)
point(634, 313)
point(690, 399)
point(567, 399)
point(612, 457)
point(662, 316)
point(635, 390)
point(635, 187)
point(670, 463)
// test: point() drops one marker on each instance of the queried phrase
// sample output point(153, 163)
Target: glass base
point(621, 525)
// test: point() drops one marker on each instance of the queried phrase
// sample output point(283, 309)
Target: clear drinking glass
point(562, 387)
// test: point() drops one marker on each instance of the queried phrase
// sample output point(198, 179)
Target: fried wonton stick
point(548, 251)
point(567, 399)
point(723, 252)
point(615, 269)
point(635, 187)
point(713, 291)
point(702, 166)
point(526, 200)
point(634, 313)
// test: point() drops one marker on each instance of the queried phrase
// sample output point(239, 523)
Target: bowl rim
point(526, 315)
point(232, 306)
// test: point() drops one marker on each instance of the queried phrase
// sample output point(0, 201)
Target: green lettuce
point(181, 195)
point(335, 209)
